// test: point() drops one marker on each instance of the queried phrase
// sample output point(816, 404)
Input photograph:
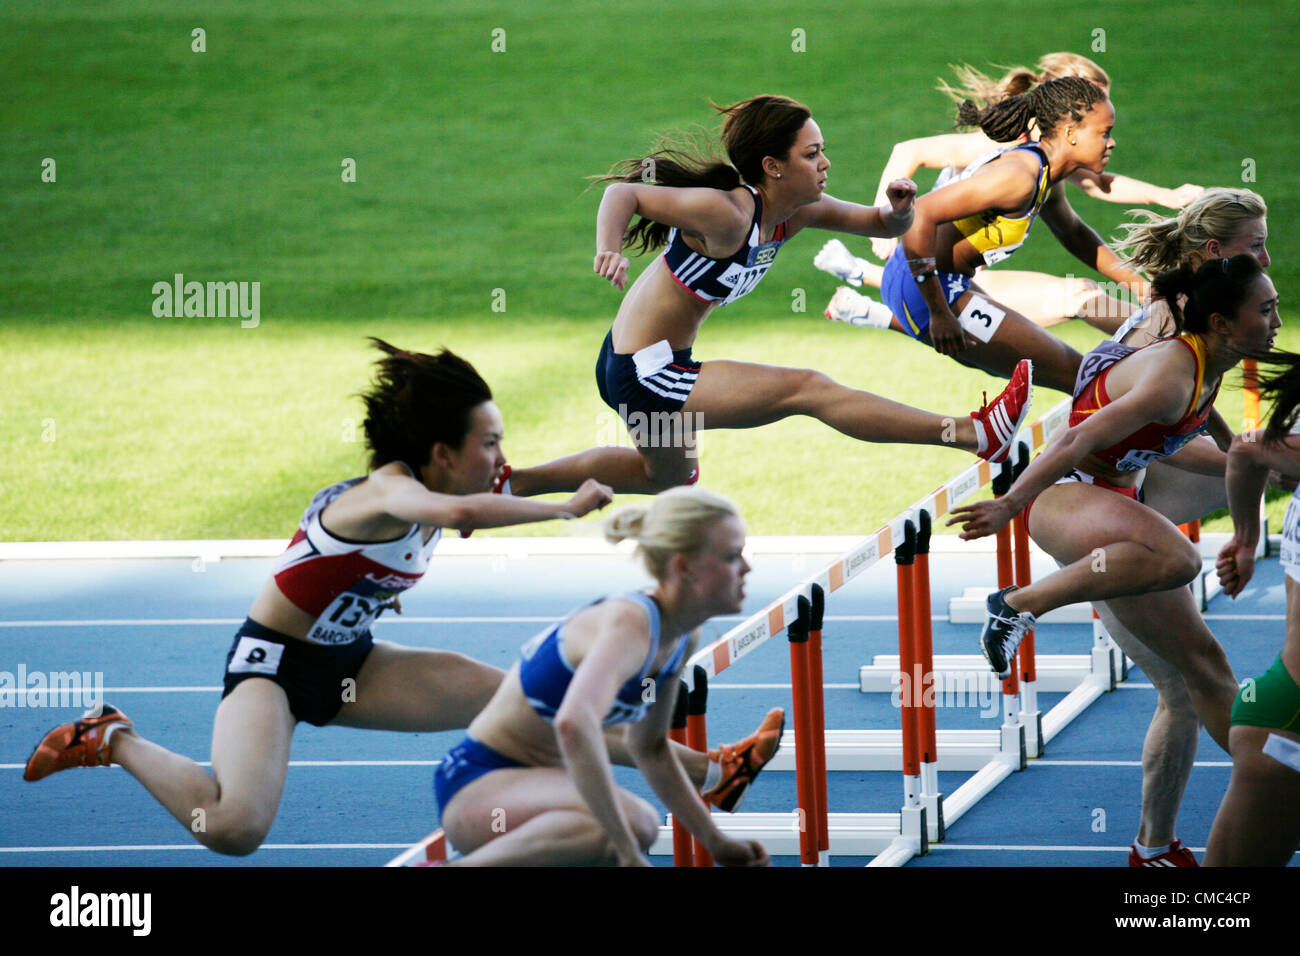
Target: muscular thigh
point(503, 800)
point(418, 689)
point(1072, 520)
point(1182, 496)
point(744, 394)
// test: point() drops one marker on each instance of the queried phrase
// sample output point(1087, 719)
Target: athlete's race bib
point(253, 656)
point(652, 359)
point(981, 318)
point(348, 618)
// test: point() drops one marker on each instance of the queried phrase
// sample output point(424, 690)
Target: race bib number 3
point(255, 657)
point(981, 318)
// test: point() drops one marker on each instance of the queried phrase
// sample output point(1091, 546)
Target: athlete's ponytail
point(753, 129)
point(1047, 105)
point(1156, 243)
point(1218, 286)
point(972, 84)
point(676, 522)
point(1283, 388)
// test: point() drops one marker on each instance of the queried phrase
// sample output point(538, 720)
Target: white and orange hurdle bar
point(892, 837)
point(432, 849)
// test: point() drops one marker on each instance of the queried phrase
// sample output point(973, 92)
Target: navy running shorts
point(311, 674)
point(654, 379)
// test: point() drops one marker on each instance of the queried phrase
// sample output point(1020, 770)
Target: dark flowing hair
point(1219, 285)
point(754, 128)
point(1283, 388)
point(416, 401)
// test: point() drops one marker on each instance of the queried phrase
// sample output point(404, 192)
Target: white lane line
point(395, 619)
point(1040, 849)
point(543, 619)
point(1118, 763)
point(197, 846)
point(305, 763)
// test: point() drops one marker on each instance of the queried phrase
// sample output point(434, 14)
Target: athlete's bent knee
point(1180, 566)
point(645, 825)
point(234, 838)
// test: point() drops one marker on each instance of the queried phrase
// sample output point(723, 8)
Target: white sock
point(713, 776)
point(878, 315)
point(981, 438)
point(1150, 852)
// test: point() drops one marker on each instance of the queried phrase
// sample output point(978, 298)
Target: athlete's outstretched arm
point(890, 219)
point(407, 500)
point(712, 215)
point(928, 152)
point(1112, 187)
point(1161, 396)
point(1249, 461)
point(932, 152)
point(1082, 242)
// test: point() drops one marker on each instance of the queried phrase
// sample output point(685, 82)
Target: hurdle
point(918, 750)
point(431, 849)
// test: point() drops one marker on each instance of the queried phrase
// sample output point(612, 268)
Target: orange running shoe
point(78, 744)
point(742, 761)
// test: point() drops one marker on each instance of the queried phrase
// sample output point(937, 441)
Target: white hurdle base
point(883, 749)
point(851, 834)
point(970, 607)
point(966, 675)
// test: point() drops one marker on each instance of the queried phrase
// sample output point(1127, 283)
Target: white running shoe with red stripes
point(998, 422)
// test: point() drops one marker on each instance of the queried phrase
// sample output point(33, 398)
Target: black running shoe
point(1003, 630)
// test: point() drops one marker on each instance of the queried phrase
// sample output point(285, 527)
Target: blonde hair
point(977, 86)
point(1156, 243)
point(676, 522)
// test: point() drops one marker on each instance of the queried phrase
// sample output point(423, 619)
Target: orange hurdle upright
point(923, 651)
point(912, 819)
point(817, 690)
point(683, 851)
point(1012, 726)
point(697, 738)
point(804, 739)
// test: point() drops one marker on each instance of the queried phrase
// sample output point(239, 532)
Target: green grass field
point(471, 166)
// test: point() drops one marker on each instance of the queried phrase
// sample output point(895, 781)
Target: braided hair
point(1048, 104)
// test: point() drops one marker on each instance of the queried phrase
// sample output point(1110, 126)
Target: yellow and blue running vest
point(996, 236)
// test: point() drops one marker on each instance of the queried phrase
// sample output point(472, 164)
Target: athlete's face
point(474, 465)
point(1092, 140)
point(717, 571)
point(1257, 319)
point(806, 165)
point(1250, 241)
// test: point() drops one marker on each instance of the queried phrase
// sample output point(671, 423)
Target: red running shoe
point(999, 422)
point(1176, 855)
point(78, 744)
point(742, 761)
